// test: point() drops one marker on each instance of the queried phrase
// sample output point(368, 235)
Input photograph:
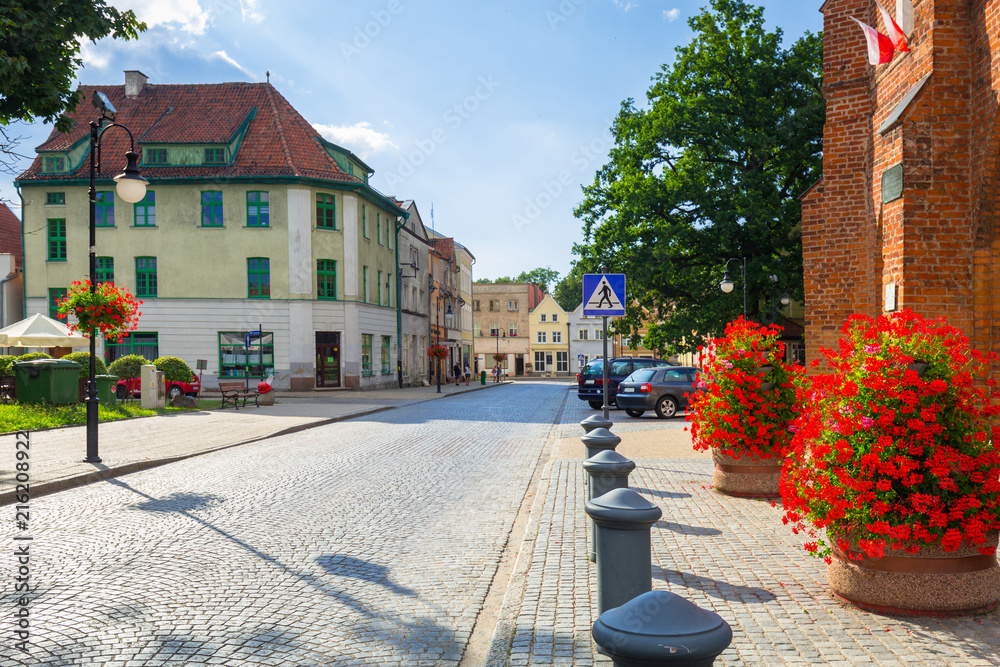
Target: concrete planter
point(747, 476)
point(931, 582)
point(266, 399)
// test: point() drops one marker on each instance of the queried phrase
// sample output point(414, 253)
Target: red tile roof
point(10, 234)
point(278, 141)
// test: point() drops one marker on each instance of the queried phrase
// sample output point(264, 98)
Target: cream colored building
point(500, 325)
point(549, 338)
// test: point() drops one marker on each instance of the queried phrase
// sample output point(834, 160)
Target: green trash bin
point(55, 381)
point(482, 377)
point(106, 385)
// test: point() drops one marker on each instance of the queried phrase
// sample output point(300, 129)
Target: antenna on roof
point(268, 73)
point(432, 216)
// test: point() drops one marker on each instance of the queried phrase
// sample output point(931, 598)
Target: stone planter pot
point(931, 582)
point(266, 399)
point(747, 476)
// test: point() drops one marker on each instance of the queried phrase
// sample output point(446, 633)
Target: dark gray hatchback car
point(590, 380)
point(663, 390)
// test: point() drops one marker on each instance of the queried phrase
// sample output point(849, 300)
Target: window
point(57, 240)
point(364, 221)
point(539, 362)
point(583, 333)
point(388, 291)
point(54, 164)
point(541, 336)
point(598, 334)
point(258, 278)
point(144, 344)
point(541, 318)
point(555, 317)
point(215, 155)
point(326, 279)
point(512, 305)
point(494, 306)
point(145, 276)
point(405, 351)
point(56, 294)
point(366, 355)
point(145, 210)
point(562, 362)
point(211, 208)
point(475, 304)
point(378, 228)
point(673, 375)
point(155, 156)
point(105, 270)
point(364, 284)
point(584, 359)
point(477, 329)
point(386, 355)
point(104, 207)
point(326, 212)
point(55, 198)
point(557, 336)
point(237, 359)
point(258, 209)
point(512, 328)
point(378, 288)
point(494, 328)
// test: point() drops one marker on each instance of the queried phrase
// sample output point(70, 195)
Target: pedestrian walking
point(496, 373)
point(457, 371)
point(468, 375)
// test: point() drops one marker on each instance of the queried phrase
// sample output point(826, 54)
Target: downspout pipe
point(399, 306)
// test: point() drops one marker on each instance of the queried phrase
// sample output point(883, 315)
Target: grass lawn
point(32, 417)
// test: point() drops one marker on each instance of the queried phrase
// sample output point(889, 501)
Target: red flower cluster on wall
point(437, 352)
point(746, 395)
point(110, 310)
point(896, 442)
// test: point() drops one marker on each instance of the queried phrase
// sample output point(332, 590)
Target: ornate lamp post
point(727, 283)
point(131, 187)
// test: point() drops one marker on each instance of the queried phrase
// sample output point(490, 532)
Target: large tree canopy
point(710, 171)
point(39, 53)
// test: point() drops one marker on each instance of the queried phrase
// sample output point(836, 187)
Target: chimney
point(134, 83)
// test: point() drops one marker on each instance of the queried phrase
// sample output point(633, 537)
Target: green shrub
point(83, 358)
point(7, 364)
point(129, 366)
point(174, 369)
point(31, 356)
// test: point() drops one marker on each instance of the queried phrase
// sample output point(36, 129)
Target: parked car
point(590, 380)
point(664, 390)
point(173, 389)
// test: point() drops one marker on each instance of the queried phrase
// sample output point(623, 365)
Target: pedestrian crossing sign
point(604, 294)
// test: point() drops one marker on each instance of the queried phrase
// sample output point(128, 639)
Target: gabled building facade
point(414, 275)
point(260, 247)
point(500, 324)
point(549, 338)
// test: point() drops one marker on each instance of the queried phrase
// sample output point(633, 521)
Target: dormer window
point(215, 156)
point(155, 156)
point(54, 165)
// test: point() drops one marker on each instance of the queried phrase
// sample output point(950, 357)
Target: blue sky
point(495, 113)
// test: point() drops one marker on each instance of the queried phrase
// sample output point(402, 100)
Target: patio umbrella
point(41, 331)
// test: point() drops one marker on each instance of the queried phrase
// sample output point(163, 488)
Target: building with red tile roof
point(11, 309)
point(252, 222)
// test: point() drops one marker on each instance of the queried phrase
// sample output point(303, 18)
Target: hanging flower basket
point(743, 407)
point(895, 459)
point(499, 358)
point(110, 310)
point(437, 352)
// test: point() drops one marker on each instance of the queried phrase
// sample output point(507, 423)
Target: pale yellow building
point(549, 338)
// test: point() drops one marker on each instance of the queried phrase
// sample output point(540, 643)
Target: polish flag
point(904, 15)
point(880, 48)
point(893, 31)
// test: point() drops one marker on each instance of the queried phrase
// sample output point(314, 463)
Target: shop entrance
point(327, 358)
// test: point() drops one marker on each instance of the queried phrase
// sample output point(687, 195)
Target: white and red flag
point(892, 30)
point(880, 47)
point(904, 16)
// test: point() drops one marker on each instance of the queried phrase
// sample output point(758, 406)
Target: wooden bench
point(234, 390)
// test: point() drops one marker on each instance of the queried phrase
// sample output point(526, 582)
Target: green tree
point(709, 171)
point(39, 53)
point(541, 277)
point(568, 292)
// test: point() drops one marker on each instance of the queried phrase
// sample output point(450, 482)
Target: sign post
point(604, 296)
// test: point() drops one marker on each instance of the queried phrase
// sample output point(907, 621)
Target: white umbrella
point(41, 331)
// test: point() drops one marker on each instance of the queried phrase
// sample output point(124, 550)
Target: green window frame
point(145, 211)
point(378, 228)
point(364, 284)
point(258, 208)
point(145, 277)
point(56, 240)
point(104, 207)
point(55, 198)
point(378, 288)
point(215, 156)
point(386, 355)
point(258, 278)
point(388, 291)
point(326, 211)
point(105, 270)
point(237, 360)
point(364, 221)
point(145, 344)
point(52, 165)
point(56, 294)
point(366, 354)
point(155, 156)
point(326, 279)
point(211, 208)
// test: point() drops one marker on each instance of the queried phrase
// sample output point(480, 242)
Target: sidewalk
point(729, 555)
point(56, 455)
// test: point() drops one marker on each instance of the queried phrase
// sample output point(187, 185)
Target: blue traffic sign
point(604, 294)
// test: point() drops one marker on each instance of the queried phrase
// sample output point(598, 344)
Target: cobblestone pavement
point(370, 541)
point(730, 555)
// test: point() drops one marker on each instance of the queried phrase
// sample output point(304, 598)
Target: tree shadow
point(722, 590)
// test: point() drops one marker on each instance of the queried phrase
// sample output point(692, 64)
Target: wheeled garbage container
point(53, 381)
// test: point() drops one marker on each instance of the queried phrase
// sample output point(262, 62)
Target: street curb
point(45, 488)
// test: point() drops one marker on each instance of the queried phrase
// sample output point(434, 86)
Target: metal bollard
point(661, 628)
point(622, 519)
point(598, 440)
point(595, 421)
point(608, 470)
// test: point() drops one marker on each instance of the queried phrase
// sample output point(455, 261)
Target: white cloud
point(359, 138)
point(625, 5)
point(224, 57)
point(250, 11)
point(671, 14)
point(93, 55)
point(184, 15)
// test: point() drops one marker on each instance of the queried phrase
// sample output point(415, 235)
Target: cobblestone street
point(370, 541)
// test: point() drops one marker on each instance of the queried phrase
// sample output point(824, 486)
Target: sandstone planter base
point(934, 583)
point(746, 477)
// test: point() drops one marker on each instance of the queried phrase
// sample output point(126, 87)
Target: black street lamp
point(131, 187)
point(727, 283)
